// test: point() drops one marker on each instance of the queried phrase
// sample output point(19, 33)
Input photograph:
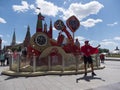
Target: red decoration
point(89, 50)
point(68, 35)
point(41, 17)
point(32, 51)
point(60, 39)
point(73, 23)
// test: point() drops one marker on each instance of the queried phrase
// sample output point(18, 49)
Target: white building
point(116, 51)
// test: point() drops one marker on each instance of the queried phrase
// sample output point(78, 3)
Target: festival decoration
point(46, 53)
point(59, 25)
point(73, 23)
point(42, 40)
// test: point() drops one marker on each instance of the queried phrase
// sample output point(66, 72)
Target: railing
point(29, 64)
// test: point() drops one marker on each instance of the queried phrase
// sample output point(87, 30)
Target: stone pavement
point(112, 59)
point(106, 79)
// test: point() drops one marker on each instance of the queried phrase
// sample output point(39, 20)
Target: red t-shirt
point(88, 50)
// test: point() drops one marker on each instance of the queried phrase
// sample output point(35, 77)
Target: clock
point(41, 39)
point(59, 25)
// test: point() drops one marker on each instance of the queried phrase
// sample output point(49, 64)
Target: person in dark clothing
point(7, 58)
point(102, 58)
point(2, 59)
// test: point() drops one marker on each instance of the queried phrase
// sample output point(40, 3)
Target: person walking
point(102, 58)
point(7, 58)
point(87, 50)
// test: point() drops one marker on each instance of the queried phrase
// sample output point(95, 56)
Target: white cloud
point(109, 44)
point(82, 10)
point(65, 2)
point(80, 38)
point(47, 8)
point(4, 42)
point(107, 40)
point(32, 6)
point(18, 42)
point(54, 28)
point(90, 22)
point(2, 20)
point(21, 8)
point(113, 24)
point(116, 38)
point(106, 43)
point(1, 35)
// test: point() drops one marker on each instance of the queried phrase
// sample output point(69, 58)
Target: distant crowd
point(4, 58)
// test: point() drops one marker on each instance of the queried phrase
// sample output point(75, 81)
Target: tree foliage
point(103, 50)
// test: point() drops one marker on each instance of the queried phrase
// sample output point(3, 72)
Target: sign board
point(73, 23)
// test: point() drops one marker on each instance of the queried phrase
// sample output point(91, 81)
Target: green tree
point(103, 50)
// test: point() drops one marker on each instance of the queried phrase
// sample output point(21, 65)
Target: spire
point(117, 48)
point(13, 39)
point(39, 23)
point(0, 43)
point(50, 29)
point(27, 37)
point(45, 27)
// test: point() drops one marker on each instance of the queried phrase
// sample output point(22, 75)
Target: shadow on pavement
point(88, 78)
point(10, 77)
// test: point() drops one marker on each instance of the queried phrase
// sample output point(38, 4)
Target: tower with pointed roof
point(45, 28)
point(117, 48)
point(13, 43)
point(27, 37)
point(39, 26)
point(50, 30)
point(0, 43)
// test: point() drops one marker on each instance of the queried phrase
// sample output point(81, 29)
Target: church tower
point(27, 37)
point(39, 27)
point(45, 27)
point(0, 44)
point(13, 39)
point(117, 49)
point(50, 30)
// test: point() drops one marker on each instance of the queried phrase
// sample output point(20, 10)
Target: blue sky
point(99, 19)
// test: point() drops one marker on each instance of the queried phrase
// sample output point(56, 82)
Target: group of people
point(4, 56)
point(4, 59)
point(87, 50)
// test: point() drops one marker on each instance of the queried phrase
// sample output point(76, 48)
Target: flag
point(38, 8)
point(41, 17)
